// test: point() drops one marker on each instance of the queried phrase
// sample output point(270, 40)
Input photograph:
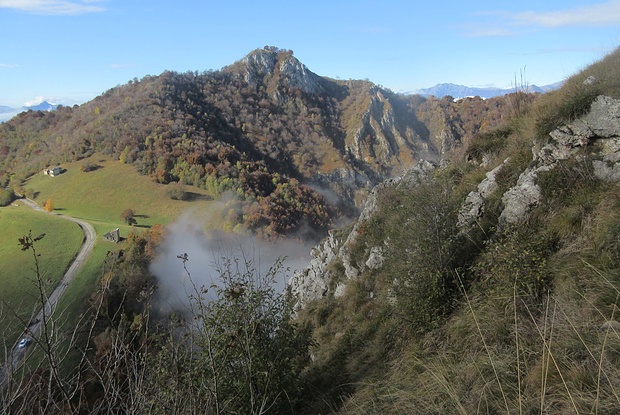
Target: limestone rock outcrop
point(313, 282)
point(599, 129)
point(474, 205)
point(262, 62)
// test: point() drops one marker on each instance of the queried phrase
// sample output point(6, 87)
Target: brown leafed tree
point(49, 205)
point(128, 216)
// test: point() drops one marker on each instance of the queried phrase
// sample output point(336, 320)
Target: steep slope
point(489, 282)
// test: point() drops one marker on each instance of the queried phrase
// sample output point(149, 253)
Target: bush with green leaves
point(176, 191)
point(6, 196)
point(518, 260)
point(418, 227)
point(241, 352)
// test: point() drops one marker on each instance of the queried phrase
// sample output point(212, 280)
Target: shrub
point(89, 166)
point(176, 191)
point(49, 205)
point(488, 143)
point(518, 257)
point(6, 196)
point(128, 216)
point(249, 355)
point(423, 250)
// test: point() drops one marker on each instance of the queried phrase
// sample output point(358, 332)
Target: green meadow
point(98, 197)
point(101, 195)
point(19, 291)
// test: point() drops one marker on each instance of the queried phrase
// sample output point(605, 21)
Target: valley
point(466, 252)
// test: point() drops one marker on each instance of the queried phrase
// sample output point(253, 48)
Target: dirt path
point(17, 354)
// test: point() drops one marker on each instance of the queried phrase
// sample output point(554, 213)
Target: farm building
point(113, 236)
point(52, 171)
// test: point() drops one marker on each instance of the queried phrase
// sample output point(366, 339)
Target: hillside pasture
point(19, 293)
point(101, 195)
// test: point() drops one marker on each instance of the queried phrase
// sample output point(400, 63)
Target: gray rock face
point(312, 283)
point(471, 210)
point(604, 117)
point(600, 128)
point(258, 64)
point(520, 199)
point(299, 76)
point(378, 137)
point(345, 182)
point(265, 62)
point(415, 175)
point(473, 207)
point(376, 258)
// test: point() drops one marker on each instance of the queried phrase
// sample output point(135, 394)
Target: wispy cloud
point(53, 7)
point(510, 23)
point(8, 65)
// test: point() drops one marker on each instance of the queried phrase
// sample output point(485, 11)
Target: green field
point(100, 196)
point(19, 290)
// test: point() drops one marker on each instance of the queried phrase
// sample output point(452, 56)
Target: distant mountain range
point(461, 91)
point(7, 113)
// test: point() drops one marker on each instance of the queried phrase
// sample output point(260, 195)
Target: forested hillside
point(481, 275)
point(265, 129)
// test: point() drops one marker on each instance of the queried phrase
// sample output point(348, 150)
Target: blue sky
point(69, 51)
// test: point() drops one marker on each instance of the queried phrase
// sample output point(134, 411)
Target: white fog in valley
point(206, 252)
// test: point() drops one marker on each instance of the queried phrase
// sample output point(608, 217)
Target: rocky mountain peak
point(271, 61)
point(259, 63)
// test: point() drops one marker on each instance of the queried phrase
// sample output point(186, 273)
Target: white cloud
point(509, 23)
point(53, 7)
point(602, 14)
point(491, 32)
point(8, 65)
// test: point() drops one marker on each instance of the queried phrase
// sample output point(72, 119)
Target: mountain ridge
point(7, 112)
point(255, 127)
point(461, 91)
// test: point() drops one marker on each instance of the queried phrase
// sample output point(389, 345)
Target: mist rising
point(206, 251)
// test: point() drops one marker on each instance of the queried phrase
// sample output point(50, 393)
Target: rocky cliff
point(593, 138)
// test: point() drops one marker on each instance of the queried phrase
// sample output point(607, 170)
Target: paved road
point(16, 355)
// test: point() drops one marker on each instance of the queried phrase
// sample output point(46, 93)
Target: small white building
point(52, 171)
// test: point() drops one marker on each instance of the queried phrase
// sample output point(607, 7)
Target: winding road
point(16, 355)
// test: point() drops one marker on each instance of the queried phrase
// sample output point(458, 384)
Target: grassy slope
point(99, 197)
point(61, 243)
point(527, 337)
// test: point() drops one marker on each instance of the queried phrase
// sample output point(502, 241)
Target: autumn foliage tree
point(128, 216)
point(48, 205)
